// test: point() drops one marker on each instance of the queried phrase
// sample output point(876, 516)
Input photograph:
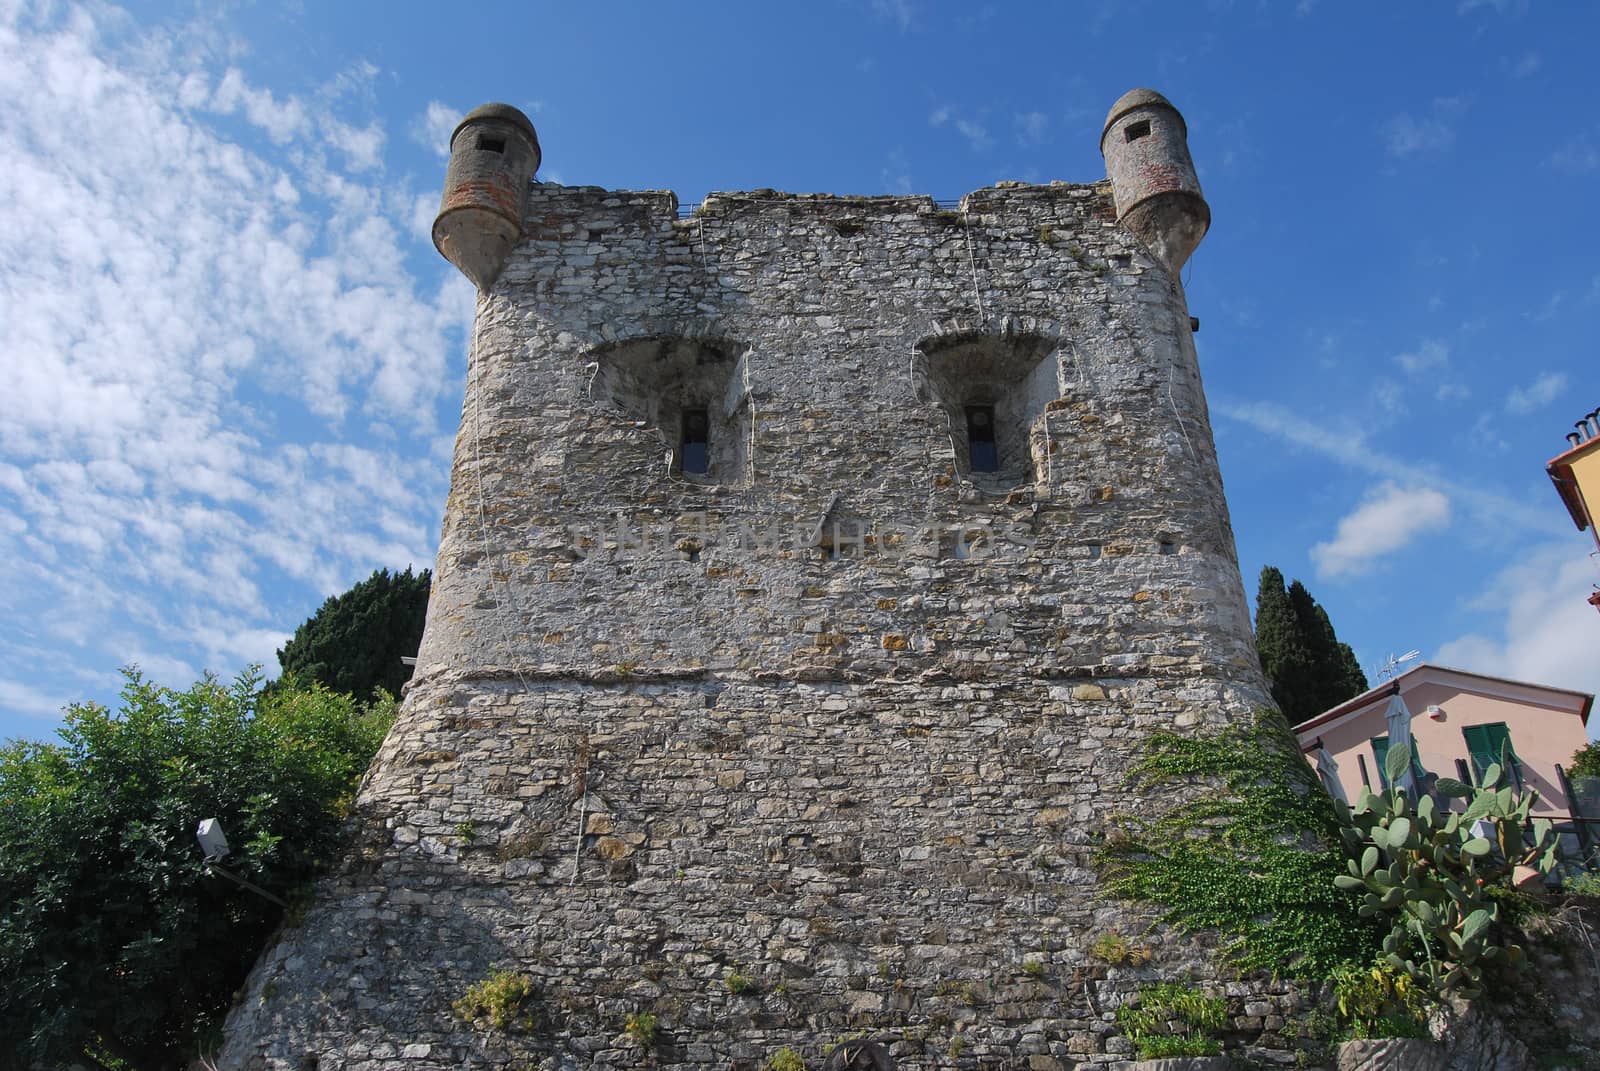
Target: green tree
point(354, 643)
point(118, 950)
point(1338, 675)
point(1585, 761)
point(1307, 666)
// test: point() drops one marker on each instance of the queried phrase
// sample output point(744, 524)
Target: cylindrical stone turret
point(1146, 146)
point(494, 153)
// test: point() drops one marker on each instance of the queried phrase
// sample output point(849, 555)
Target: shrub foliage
point(1248, 846)
point(118, 950)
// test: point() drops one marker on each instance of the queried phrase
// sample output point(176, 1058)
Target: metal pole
point(231, 876)
point(1580, 821)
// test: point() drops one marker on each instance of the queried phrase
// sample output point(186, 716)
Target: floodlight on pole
point(215, 846)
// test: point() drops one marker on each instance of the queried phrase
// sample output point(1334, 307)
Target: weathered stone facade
point(840, 717)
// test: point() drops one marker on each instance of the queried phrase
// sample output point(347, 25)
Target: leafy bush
point(1585, 761)
point(1585, 884)
point(1247, 846)
point(116, 946)
point(1173, 1019)
point(498, 1001)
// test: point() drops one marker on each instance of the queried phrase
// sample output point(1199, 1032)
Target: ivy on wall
point(1248, 846)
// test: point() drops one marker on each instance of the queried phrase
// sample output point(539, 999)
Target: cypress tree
point(353, 644)
point(1308, 668)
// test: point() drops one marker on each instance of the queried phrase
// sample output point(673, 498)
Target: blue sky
point(236, 363)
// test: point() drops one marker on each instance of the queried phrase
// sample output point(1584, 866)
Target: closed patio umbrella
point(1328, 770)
point(1399, 722)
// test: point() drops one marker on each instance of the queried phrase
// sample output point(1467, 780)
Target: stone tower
point(812, 568)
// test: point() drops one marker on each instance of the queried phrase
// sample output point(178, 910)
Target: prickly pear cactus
point(1432, 868)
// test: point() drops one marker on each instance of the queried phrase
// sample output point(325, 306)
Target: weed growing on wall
point(786, 1059)
point(641, 1027)
point(1173, 1019)
point(498, 1002)
point(1113, 948)
point(1248, 847)
point(1380, 1002)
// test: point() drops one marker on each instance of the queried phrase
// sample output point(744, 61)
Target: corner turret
point(1146, 146)
point(494, 153)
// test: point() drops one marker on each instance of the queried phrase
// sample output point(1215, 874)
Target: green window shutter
point(1479, 749)
point(1380, 751)
point(1485, 743)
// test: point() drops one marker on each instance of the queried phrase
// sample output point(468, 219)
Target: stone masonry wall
point(839, 717)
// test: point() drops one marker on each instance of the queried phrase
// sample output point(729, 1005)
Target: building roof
point(1466, 680)
point(1559, 469)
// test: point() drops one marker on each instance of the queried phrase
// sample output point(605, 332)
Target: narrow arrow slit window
point(695, 448)
point(984, 454)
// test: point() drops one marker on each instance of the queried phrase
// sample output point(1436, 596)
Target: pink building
point(1458, 721)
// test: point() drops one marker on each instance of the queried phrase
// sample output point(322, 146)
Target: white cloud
point(1578, 155)
point(1389, 396)
point(1548, 633)
point(1032, 128)
point(1429, 362)
point(195, 364)
point(896, 173)
point(282, 120)
point(1525, 65)
point(1348, 446)
point(24, 699)
point(1510, 8)
point(1406, 134)
point(1389, 520)
point(1551, 307)
point(900, 12)
point(1540, 392)
point(434, 126)
point(358, 82)
point(1429, 354)
point(362, 146)
point(976, 134)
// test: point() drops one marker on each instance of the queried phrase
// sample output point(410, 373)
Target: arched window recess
point(693, 393)
point(993, 390)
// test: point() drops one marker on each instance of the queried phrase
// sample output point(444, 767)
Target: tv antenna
point(1391, 668)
